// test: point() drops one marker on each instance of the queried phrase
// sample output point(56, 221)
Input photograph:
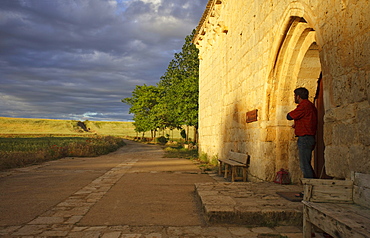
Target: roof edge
point(206, 12)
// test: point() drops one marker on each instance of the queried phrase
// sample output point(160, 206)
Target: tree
point(143, 101)
point(173, 103)
point(180, 85)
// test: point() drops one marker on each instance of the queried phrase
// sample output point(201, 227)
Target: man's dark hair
point(301, 92)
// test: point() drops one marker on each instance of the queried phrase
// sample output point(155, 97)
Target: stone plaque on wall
point(252, 116)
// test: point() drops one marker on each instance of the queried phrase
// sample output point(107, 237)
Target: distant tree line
point(173, 102)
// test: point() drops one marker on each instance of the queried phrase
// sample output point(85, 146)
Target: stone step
point(250, 204)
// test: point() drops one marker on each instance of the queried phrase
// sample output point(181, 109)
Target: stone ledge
point(254, 204)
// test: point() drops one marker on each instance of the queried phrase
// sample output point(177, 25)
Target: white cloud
point(90, 114)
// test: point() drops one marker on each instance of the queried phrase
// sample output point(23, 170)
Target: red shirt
point(305, 118)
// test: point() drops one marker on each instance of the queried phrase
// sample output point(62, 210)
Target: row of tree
point(173, 102)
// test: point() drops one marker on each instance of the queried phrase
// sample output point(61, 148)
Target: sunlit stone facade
point(253, 54)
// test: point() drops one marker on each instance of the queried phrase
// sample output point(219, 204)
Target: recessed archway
point(297, 65)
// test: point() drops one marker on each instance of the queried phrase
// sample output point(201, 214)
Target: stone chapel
point(254, 53)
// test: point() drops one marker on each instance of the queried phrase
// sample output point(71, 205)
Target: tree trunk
point(195, 135)
point(187, 133)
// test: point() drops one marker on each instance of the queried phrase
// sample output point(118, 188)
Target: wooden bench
point(234, 162)
point(341, 208)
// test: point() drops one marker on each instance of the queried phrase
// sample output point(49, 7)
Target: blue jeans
point(306, 145)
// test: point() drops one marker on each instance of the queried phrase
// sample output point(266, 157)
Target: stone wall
point(255, 53)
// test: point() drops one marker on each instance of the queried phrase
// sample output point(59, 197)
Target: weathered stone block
point(328, 132)
point(361, 42)
point(359, 158)
point(336, 162)
point(359, 89)
point(345, 134)
point(363, 117)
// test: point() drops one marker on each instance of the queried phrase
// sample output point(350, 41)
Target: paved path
point(133, 192)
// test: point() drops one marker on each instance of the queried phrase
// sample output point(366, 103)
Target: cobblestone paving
point(62, 220)
point(65, 230)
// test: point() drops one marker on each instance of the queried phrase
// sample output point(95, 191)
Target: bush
point(180, 152)
point(162, 140)
point(203, 157)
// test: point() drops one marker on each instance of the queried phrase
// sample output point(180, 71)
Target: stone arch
point(296, 64)
point(295, 12)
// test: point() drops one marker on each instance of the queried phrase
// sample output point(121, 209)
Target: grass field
point(31, 141)
point(25, 126)
point(19, 152)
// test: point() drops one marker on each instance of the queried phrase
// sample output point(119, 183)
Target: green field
point(25, 142)
point(63, 127)
point(19, 152)
point(24, 126)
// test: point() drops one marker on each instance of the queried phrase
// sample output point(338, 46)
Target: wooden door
point(319, 159)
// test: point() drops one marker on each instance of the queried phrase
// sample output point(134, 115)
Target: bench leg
point(226, 170)
point(307, 226)
point(244, 174)
point(233, 173)
point(219, 168)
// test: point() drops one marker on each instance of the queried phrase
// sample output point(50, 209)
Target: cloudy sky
point(76, 59)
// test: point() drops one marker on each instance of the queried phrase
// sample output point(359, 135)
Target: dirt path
point(132, 186)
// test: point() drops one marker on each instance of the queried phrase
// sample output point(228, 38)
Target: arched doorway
point(310, 76)
point(297, 65)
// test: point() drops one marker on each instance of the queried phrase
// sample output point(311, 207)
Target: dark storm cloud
point(76, 59)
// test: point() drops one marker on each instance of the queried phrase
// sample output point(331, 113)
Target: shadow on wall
point(270, 147)
point(236, 135)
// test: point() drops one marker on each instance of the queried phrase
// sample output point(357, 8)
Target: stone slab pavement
point(250, 203)
point(133, 192)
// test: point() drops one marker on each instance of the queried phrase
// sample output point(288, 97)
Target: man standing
point(305, 126)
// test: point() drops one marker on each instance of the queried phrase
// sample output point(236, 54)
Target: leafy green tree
point(180, 86)
point(173, 103)
point(143, 101)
